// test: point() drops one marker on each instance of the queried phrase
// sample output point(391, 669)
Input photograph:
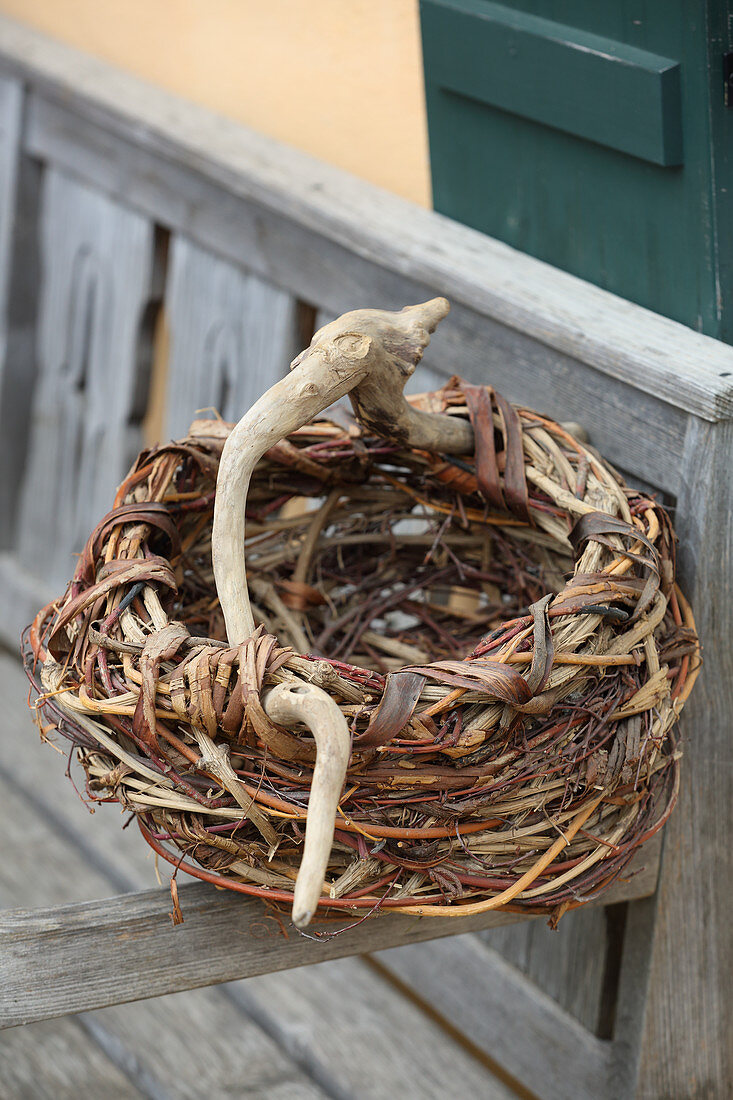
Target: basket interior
point(378, 567)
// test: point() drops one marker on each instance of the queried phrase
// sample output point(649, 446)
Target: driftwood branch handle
point(312, 706)
point(369, 354)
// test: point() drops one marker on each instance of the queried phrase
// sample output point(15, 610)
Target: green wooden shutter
point(595, 136)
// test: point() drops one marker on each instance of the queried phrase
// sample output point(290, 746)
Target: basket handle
point(368, 354)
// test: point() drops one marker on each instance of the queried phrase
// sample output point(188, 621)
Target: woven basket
point(465, 651)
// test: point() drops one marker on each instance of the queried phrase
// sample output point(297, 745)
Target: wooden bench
point(126, 213)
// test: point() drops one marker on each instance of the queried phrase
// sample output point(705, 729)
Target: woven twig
point(506, 642)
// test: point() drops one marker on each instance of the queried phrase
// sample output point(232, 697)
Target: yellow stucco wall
point(341, 79)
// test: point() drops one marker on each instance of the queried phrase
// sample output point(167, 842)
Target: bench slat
point(536, 1042)
point(87, 95)
point(79, 957)
point(232, 336)
point(97, 260)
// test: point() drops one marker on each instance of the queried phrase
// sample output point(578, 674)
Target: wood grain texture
point(541, 1046)
point(11, 106)
point(334, 274)
point(631, 997)
point(567, 965)
point(16, 265)
point(534, 1040)
point(620, 340)
point(18, 368)
point(152, 957)
point(195, 1044)
point(22, 593)
point(97, 271)
point(54, 1060)
point(232, 335)
point(375, 1041)
point(688, 1044)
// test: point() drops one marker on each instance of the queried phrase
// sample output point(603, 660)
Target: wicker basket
point(456, 685)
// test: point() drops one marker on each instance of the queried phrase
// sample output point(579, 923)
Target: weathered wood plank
point(11, 106)
point(22, 594)
point(537, 1042)
point(567, 965)
point(152, 957)
point(620, 340)
point(632, 993)
point(688, 1046)
point(232, 336)
point(336, 275)
point(541, 1046)
point(18, 196)
point(54, 1060)
point(375, 1042)
point(195, 1044)
point(97, 270)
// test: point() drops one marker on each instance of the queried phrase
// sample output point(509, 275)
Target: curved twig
point(371, 352)
point(306, 703)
